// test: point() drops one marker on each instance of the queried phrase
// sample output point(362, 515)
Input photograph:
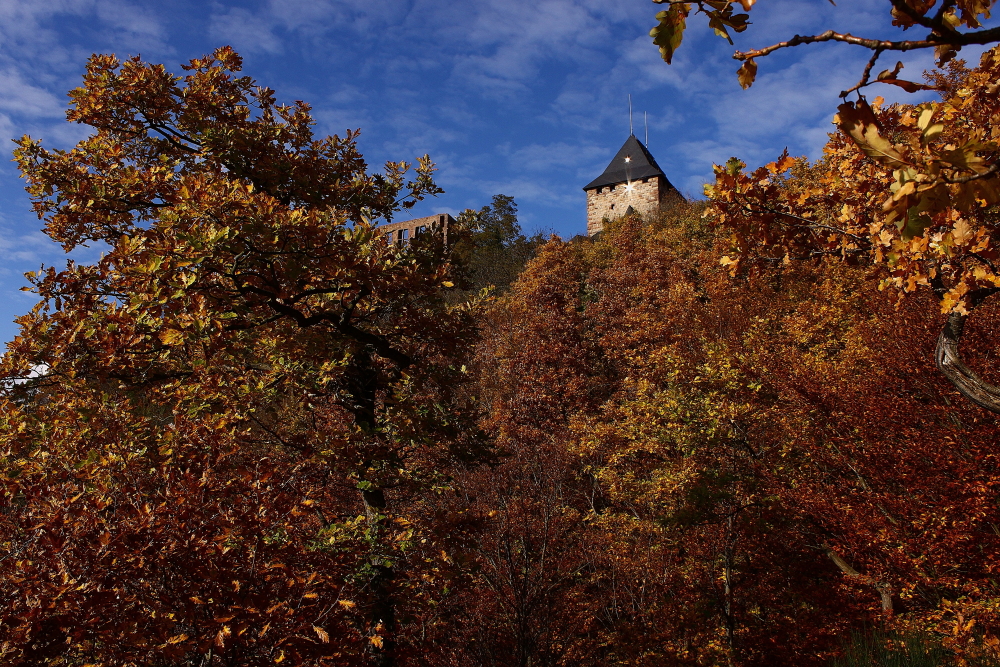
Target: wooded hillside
point(255, 433)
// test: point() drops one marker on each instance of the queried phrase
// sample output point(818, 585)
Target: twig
point(974, 177)
point(865, 76)
point(956, 39)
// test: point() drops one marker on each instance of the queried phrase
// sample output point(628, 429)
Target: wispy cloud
point(523, 97)
point(26, 99)
point(246, 31)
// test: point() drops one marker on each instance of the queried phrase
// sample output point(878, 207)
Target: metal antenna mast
point(631, 133)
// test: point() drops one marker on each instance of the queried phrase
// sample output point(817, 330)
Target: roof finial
point(630, 132)
point(645, 117)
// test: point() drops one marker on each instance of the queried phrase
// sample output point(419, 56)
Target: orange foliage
point(765, 457)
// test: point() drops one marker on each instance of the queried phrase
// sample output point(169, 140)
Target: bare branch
point(933, 41)
point(865, 76)
point(883, 588)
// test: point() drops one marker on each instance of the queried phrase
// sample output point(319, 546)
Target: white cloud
point(21, 97)
point(30, 247)
point(245, 31)
point(559, 157)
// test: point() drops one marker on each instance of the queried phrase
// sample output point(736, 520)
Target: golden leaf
point(858, 121)
point(961, 232)
point(747, 73)
point(171, 337)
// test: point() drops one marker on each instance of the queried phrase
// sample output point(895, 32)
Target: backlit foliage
point(254, 433)
point(914, 186)
point(210, 434)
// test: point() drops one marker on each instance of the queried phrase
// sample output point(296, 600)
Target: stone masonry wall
point(402, 232)
point(612, 201)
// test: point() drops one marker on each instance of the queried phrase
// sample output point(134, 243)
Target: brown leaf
point(747, 73)
point(908, 86)
point(858, 121)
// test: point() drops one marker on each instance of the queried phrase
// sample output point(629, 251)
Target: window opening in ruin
point(388, 238)
point(404, 236)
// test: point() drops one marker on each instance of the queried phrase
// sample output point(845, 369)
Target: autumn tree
point(932, 168)
point(759, 469)
point(522, 549)
point(248, 384)
point(491, 249)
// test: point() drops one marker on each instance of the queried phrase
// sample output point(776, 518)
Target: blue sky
point(521, 97)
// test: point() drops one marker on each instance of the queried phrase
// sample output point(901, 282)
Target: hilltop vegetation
point(254, 433)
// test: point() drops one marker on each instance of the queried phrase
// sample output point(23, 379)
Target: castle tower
point(632, 183)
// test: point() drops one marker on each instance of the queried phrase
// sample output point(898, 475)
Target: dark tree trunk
point(365, 380)
point(970, 385)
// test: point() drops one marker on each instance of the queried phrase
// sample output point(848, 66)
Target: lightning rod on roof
point(630, 132)
point(645, 118)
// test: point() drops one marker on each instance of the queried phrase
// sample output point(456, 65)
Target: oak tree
point(932, 168)
point(245, 326)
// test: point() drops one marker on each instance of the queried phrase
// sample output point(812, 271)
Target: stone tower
point(632, 183)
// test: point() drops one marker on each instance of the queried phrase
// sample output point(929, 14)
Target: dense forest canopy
point(934, 225)
point(255, 433)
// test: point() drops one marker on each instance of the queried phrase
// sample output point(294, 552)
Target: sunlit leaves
point(246, 343)
point(894, 186)
point(859, 122)
point(669, 32)
point(747, 73)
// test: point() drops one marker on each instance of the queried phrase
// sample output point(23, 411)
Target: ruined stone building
point(633, 182)
point(403, 232)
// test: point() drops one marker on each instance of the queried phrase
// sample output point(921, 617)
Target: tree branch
point(970, 385)
point(883, 588)
point(956, 39)
point(994, 168)
point(865, 76)
point(339, 321)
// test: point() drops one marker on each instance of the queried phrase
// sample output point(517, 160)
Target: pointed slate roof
point(633, 162)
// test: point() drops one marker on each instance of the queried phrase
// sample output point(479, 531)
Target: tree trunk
point(383, 615)
point(364, 385)
point(883, 588)
point(970, 385)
